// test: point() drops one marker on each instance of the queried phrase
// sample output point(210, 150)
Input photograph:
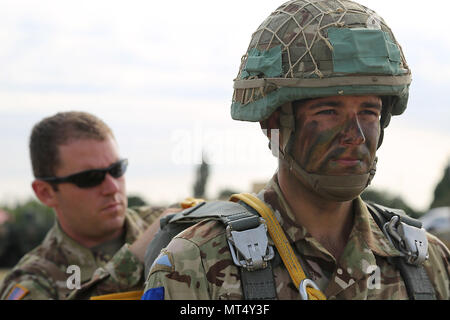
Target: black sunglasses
point(91, 178)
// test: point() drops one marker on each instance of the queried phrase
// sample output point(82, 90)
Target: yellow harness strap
point(191, 202)
point(281, 243)
point(129, 295)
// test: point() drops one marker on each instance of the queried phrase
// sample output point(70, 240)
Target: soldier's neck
point(88, 241)
point(329, 222)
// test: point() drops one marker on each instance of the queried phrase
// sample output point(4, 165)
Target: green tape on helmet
point(362, 50)
point(266, 63)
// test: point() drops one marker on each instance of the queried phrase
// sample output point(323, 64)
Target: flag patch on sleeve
point(17, 292)
point(154, 294)
point(164, 262)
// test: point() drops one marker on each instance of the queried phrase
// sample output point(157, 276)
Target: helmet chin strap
point(335, 188)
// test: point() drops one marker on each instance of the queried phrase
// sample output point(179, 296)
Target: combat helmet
point(317, 48)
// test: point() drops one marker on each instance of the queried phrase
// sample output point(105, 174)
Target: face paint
point(315, 144)
point(334, 149)
point(319, 150)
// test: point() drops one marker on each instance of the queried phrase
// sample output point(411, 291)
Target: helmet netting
point(301, 29)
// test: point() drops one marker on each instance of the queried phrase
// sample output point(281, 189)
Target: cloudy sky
point(160, 74)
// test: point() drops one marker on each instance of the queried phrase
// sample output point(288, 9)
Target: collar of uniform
point(134, 226)
point(364, 224)
point(77, 254)
point(358, 260)
point(74, 253)
point(272, 195)
point(372, 234)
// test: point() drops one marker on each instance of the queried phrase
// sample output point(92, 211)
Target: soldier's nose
point(110, 185)
point(352, 133)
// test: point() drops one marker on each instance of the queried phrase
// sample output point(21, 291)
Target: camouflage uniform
point(41, 273)
point(197, 264)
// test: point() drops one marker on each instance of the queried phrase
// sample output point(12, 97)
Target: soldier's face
point(337, 135)
point(96, 213)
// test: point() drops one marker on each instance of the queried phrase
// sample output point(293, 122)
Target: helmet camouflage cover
point(317, 48)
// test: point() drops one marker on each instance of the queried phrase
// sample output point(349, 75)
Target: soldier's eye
point(370, 113)
point(326, 112)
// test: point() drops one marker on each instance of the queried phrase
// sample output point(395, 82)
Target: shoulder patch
point(17, 292)
point(154, 294)
point(164, 262)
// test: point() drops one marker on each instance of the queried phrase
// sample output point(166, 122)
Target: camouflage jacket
point(43, 272)
point(197, 263)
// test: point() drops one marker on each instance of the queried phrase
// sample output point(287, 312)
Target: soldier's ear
point(45, 193)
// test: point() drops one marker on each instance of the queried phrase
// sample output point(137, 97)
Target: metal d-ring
point(303, 285)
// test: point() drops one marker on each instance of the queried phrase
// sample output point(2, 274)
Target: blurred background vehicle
point(437, 222)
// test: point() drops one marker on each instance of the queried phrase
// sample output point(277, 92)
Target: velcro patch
point(154, 294)
point(164, 262)
point(17, 292)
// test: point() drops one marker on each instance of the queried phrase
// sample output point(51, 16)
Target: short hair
point(62, 128)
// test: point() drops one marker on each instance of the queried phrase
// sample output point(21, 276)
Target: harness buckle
point(250, 248)
point(411, 241)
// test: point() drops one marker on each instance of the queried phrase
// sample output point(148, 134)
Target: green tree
point(136, 201)
point(225, 194)
point(442, 191)
point(30, 223)
point(202, 174)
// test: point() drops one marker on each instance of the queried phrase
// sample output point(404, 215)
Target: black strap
point(258, 284)
point(416, 279)
point(417, 282)
point(384, 214)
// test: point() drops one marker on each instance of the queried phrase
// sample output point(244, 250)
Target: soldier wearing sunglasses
point(80, 174)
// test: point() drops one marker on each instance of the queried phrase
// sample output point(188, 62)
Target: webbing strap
point(258, 284)
point(232, 213)
point(129, 295)
point(417, 282)
point(281, 243)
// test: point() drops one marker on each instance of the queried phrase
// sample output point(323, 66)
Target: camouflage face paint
point(314, 144)
point(319, 142)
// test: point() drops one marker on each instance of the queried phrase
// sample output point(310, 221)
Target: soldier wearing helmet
point(323, 78)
